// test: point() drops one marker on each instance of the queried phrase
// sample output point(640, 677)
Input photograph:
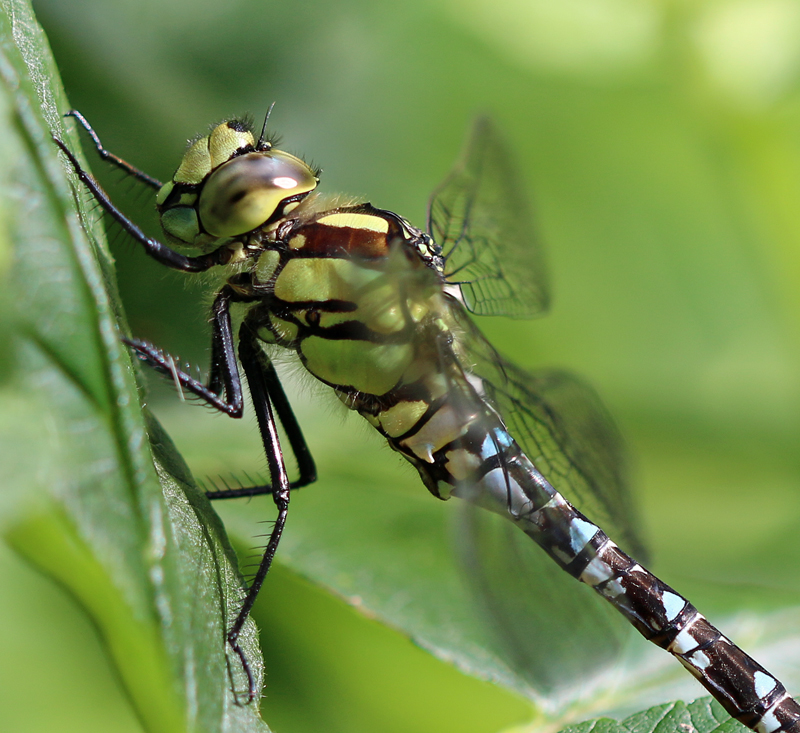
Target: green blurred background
point(660, 144)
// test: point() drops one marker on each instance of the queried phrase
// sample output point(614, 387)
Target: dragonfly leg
point(223, 390)
point(257, 369)
point(157, 250)
point(224, 376)
point(224, 380)
point(297, 442)
point(131, 170)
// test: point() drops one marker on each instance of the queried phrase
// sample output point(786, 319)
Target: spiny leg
point(297, 442)
point(230, 402)
point(225, 376)
point(223, 391)
point(223, 354)
point(131, 170)
point(256, 367)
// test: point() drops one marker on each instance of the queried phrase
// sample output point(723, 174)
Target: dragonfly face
point(229, 184)
point(376, 308)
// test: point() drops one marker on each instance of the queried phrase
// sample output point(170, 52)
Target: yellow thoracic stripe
point(356, 221)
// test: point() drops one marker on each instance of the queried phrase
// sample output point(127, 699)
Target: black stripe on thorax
point(328, 306)
point(351, 331)
point(374, 262)
point(375, 404)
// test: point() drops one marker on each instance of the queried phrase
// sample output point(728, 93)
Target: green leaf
point(701, 716)
point(130, 539)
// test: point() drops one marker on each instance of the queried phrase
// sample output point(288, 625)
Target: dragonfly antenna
point(261, 138)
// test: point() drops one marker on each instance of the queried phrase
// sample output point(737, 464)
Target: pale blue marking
point(768, 723)
point(505, 491)
point(495, 442)
point(580, 532)
point(503, 438)
point(489, 448)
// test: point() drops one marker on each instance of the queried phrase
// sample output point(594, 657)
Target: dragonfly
point(380, 311)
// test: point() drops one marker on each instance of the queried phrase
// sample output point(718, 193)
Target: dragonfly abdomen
point(466, 451)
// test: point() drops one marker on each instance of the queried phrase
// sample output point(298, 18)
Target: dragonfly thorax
point(349, 292)
point(228, 185)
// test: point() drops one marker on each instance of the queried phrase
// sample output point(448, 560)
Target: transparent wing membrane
point(552, 633)
point(480, 217)
point(556, 635)
point(563, 427)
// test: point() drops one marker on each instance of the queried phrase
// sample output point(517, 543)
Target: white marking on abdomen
point(769, 723)
point(596, 572)
point(505, 490)
point(764, 684)
point(443, 427)
point(461, 463)
point(700, 660)
point(673, 605)
point(684, 642)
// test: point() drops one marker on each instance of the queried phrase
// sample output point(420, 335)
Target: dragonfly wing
point(555, 633)
point(552, 633)
point(562, 426)
point(481, 219)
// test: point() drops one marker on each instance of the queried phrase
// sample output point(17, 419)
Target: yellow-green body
point(351, 297)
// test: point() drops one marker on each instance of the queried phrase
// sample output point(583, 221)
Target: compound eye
point(249, 190)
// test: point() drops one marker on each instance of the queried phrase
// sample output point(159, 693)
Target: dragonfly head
point(228, 185)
